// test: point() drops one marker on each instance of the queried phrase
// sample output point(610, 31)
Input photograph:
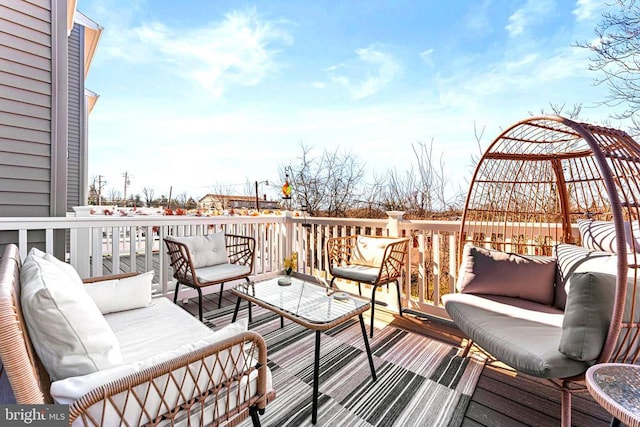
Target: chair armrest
point(210, 374)
point(393, 260)
point(109, 277)
point(339, 250)
point(180, 260)
point(240, 249)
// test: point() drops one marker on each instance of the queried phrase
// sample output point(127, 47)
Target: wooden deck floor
point(501, 398)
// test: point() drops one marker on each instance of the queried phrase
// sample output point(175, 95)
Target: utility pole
point(127, 181)
point(101, 184)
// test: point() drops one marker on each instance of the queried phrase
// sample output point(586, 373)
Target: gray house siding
point(76, 118)
point(33, 110)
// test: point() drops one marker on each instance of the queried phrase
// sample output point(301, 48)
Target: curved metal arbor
point(541, 175)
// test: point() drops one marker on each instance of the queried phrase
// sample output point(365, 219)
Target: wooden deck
point(501, 398)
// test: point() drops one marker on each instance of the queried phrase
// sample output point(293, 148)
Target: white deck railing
point(123, 244)
point(135, 244)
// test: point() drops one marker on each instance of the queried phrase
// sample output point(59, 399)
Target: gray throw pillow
point(587, 315)
point(577, 259)
point(491, 272)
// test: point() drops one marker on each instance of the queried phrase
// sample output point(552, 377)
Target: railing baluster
point(22, 243)
point(48, 239)
point(453, 263)
point(148, 247)
point(96, 251)
point(422, 273)
point(435, 240)
point(133, 231)
point(115, 251)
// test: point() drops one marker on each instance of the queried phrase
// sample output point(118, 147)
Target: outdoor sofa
point(118, 356)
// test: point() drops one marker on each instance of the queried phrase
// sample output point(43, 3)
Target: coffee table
point(308, 305)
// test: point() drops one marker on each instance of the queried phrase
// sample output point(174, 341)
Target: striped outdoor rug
point(421, 382)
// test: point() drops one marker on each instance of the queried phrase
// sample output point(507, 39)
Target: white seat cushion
point(141, 332)
point(358, 273)
point(67, 391)
point(67, 329)
point(221, 272)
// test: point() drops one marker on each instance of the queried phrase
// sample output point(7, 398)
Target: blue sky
point(202, 94)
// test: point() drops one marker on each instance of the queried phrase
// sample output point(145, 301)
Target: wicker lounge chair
point(549, 251)
point(372, 260)
point(215, 259)
point(219, 379)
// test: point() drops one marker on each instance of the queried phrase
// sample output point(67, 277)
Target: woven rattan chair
point(240, 253)
point(379, 265)
point(529, 189)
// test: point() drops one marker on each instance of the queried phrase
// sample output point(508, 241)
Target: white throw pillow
point(206, 250)
point(67, 330)
point(122, 294)
point(601, 235)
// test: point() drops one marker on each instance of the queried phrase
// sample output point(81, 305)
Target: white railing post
point(393, 223)
point(287, 239)
point(79, 246)
point(393, 230)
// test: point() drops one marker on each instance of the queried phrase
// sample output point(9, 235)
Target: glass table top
point(619, 384)
point(302, 299)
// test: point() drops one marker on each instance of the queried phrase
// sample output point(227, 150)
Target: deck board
point(500, 399)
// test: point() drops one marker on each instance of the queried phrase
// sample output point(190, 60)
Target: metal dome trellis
point(534, 182)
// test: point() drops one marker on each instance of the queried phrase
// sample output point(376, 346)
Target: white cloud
point(543, 77)
point(426, 56)
point(382, 70)
point(239, 50)
point(527, 14)
point(477, 18)
point(585, 9)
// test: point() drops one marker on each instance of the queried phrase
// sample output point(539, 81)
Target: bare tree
point(113, 196)
point(616, 55)
point(326, 185)
point(181, 199)
point(422, 189)
point(148, 193)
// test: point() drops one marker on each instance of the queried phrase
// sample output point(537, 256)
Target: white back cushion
point(369, 251)
point(206, 250)
point(68, 269)
point(67, 330)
